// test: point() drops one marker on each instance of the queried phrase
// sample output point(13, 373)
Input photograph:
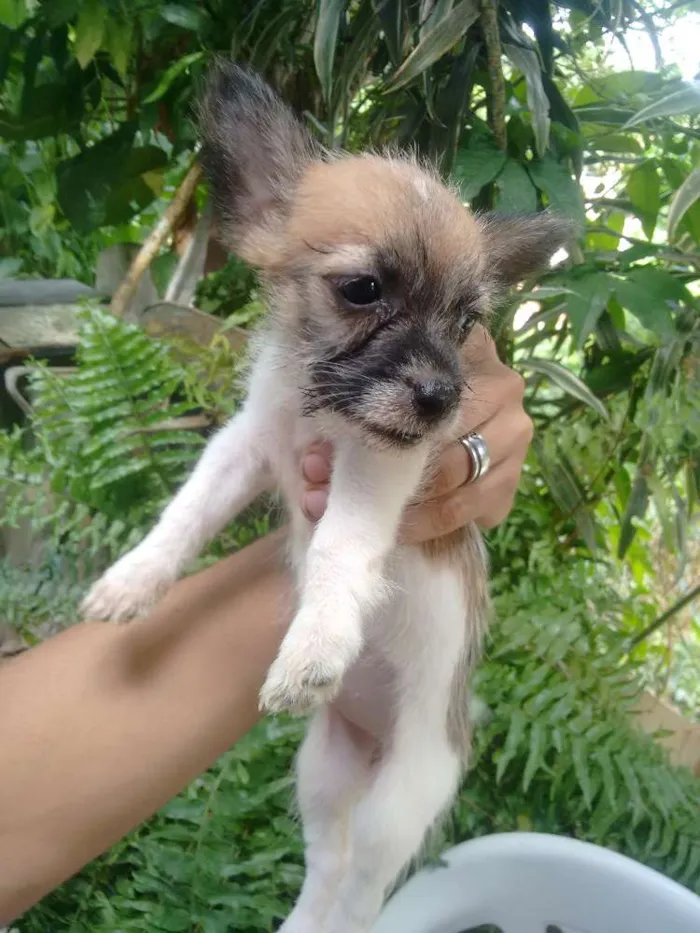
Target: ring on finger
point(477, 448)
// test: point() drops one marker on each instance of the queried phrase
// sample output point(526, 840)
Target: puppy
point(374, 273)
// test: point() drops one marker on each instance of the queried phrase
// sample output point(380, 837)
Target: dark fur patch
point(343, 383)
point(254, 149)
point(518, 246)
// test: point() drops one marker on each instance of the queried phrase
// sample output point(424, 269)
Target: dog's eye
point(468, 313)
point(365, 290)
point(466, 322)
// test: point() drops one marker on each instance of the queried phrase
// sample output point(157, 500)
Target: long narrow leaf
point(174, 72)
point(568, 493)
point(325, 40)
point(437, 11)
point(516, 730)
point(567, 381)
point(636, 508)
point(579, 753)
point(538, 747)
point(685, 101)
point(390, 14)
point(683, 200)
point(526, 60)
point(436, 43)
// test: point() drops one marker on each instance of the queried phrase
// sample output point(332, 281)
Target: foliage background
point(526, 104)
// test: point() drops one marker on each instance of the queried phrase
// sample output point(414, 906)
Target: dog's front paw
point(299, 684)
point(127, 590)
point(310, 666)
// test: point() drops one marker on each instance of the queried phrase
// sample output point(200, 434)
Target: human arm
point(103, 724)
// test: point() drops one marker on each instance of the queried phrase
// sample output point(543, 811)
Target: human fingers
point(507, 428)
point(487, 501)
point(488, 506)
point(316, 464)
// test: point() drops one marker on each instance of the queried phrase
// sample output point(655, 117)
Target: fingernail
point(313, 503)
point(315, 468)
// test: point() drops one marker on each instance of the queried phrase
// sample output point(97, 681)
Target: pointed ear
point(517, 246)
point(254, 152)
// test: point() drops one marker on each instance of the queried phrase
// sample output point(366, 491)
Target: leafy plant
point(104, 450)
point(560, 751)
point(96, 431)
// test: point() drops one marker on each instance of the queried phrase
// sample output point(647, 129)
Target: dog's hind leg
point(417, 774)
point(332, 770)
point(411, 788)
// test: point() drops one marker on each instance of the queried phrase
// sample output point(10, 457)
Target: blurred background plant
point(586, 107)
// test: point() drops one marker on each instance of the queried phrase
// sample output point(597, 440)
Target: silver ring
point(478, 451)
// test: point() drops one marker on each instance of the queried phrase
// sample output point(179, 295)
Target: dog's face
point(378, 271)
point(383, 279)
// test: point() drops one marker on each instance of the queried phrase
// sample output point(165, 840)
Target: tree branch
point(154, 241)
point(665, 616)
point(497, 90)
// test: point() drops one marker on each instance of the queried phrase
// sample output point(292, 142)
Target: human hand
point(493, 406)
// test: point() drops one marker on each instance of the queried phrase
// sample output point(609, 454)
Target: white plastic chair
point(529, 882)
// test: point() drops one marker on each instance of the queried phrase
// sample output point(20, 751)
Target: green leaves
point(684, 101)
point(625, 84)
point(477, 165)
point(12, 13)
point(516, 731)
point(516, 193)
point(586, 302)
point(436, 43)
point(109, 182)
point(89, 30)
point(171, 74)
point(560, 750)
point(526, 60)
point(643, 188)
point(117, 42)
point(325, 40)
point(562, 191)
point(186, 17)
point(536, 752)
point(568, 493)
point(100, 461)
point(579, 754)
point(567, 381)
point(683, 200)
point(650, 294)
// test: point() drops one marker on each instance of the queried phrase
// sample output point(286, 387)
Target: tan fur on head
point(367, 199)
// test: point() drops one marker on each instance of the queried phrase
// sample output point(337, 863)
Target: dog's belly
point(367, 698)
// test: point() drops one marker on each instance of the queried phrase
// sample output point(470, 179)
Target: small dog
point(375, 273)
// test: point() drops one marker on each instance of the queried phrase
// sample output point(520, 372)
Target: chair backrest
point(536, 883)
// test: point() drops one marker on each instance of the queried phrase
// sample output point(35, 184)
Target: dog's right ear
point(254, 152)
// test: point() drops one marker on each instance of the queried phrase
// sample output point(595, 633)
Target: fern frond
point(93, 465)
point(562, 744)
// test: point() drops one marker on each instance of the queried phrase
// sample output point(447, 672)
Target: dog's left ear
point(520, 245)
point(254, 153)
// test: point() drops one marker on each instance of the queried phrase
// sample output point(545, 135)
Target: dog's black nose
point(433, 398)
